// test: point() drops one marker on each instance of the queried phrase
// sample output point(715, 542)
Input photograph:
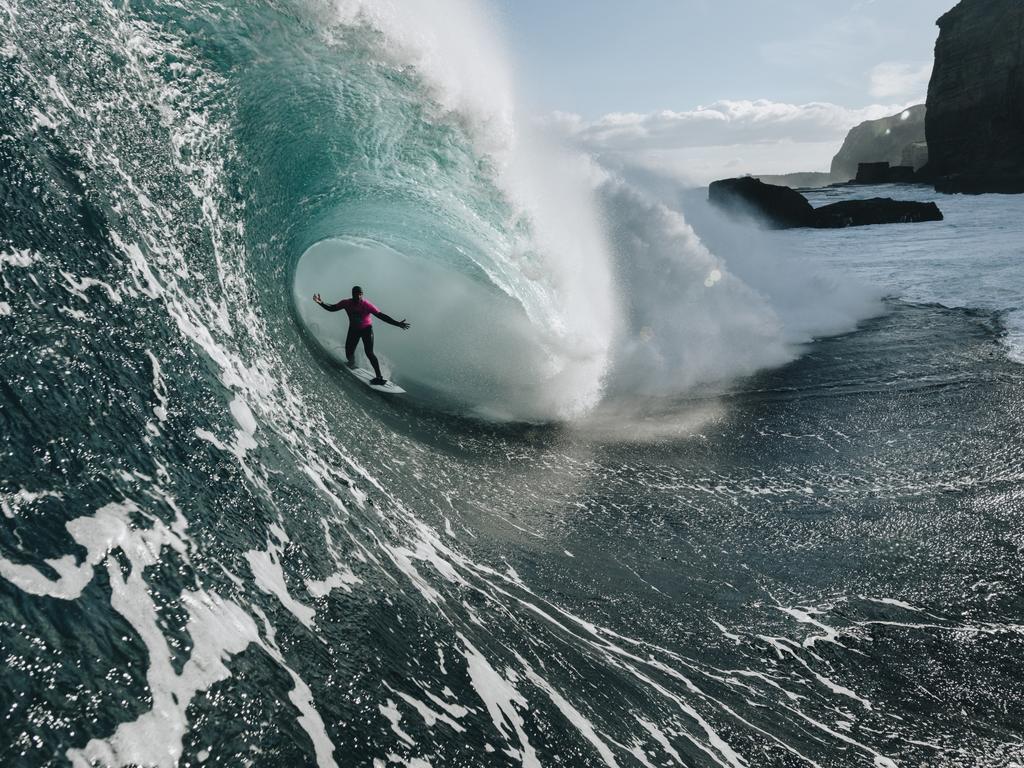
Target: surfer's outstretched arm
point(328, 307)
point(391, 321)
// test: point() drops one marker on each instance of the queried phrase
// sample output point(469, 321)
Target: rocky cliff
point(894, 140)
point(975, 121)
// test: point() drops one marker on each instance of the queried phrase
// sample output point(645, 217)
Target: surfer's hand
point(403, 324)
point(317, 299)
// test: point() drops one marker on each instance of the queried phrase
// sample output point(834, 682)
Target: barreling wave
point(539, 282)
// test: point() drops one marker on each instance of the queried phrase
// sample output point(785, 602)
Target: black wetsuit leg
point(367, 336)
point(351, 341)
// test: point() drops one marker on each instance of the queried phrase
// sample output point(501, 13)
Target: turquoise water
point(686, 500)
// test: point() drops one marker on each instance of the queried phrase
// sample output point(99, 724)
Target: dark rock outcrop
point(975, 120)
point(901, 174)
point(785, 208)
point(872, 173)
point(883, 173)
point(892, 140)
point(878, 210)
point(779, 207)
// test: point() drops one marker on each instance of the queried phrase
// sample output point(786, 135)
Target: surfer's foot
point(351, 363)
point(378, 382)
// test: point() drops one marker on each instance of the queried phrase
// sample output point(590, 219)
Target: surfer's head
point(357, 292)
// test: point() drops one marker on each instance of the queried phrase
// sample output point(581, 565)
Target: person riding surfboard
point(360, 327)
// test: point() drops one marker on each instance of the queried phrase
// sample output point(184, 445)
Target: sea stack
point(975, 118)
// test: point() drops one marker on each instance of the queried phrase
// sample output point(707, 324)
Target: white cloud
point(900, 80)
point(699, 165)
point(722, 139)
point(719, 124)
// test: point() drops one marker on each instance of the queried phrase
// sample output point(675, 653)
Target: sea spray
point(541, 241)
point(622, 297)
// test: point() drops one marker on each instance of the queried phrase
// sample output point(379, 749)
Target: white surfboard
point(366, 377)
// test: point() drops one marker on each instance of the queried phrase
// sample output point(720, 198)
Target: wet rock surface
point(785, 208)
point(878, 210)
point(777, 207)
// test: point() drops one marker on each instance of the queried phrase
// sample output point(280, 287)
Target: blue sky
point(597, 59)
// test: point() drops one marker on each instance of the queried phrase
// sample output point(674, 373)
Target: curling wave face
point(361, 146)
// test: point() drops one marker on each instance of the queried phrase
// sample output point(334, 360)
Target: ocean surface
point(666, 489)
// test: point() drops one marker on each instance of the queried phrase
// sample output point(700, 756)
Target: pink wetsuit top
point(360, 312)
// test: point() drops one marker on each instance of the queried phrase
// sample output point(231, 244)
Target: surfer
point(360, 327)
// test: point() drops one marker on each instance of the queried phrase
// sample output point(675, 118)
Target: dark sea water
point(792, 540)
